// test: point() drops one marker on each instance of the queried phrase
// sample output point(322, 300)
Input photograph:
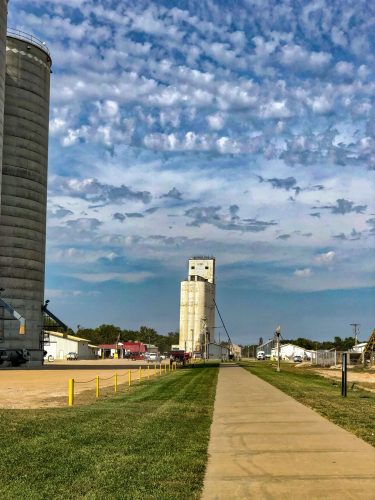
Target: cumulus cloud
point(298, 58)
point(133, 277)
point(287, 184)
point(134, 215)
point(216, 122)
point(325, 258)
point(343, 207)
point(173, 193)
point(303, 273)
point(229, 222)
point(353, 236)
point(59, 212)
point(96, 192)
point(187, 105)
point(84, 224)
point(371, 223)
point(119, 216)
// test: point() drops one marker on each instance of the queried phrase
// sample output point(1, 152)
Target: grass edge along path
point(149, 443)
point(355, 413)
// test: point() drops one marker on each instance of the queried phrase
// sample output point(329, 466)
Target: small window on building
point(206, 267)
point(192, 267)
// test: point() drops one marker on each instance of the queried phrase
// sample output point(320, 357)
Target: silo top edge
point(26, 37)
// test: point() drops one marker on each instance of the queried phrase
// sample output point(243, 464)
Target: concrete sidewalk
point(266, 445)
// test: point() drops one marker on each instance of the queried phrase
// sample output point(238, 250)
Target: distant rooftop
point(26, 37)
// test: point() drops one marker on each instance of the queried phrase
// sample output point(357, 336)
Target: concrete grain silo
point(197, 306)
point(23, 197)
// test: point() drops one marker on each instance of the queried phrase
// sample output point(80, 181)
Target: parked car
point(297, 359)
point(261, 355)
point(136, 356)
point(72, 356)
point(153, 357)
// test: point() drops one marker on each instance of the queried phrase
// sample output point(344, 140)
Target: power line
point(225, 328)
point(355, 331)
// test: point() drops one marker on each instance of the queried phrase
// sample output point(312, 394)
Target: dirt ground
point(365, 379)
point(47, 386)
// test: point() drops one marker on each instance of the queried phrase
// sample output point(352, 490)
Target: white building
point(60, 344)
point(235, 351)
point(360, 347)
point(288, 351)
point(197, 308)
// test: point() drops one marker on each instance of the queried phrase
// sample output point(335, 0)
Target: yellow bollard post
point(140, 373)
point(97, 386)
point(165, 367)
point(169, 368)
point(129, 378)
point(148, 371)
point(115, 381)
point(159, 368)
point(71, 392)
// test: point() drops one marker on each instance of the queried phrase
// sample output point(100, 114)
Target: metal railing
point(22, 35)
point(168, 368)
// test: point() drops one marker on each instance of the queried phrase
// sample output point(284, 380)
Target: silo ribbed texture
point(3, 31)
point(24, 187)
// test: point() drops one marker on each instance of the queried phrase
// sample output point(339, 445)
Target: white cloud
point(133, 277)
point(325, 258)
point(216, 122)
point(303, 273)
point(275, 109)
point(344, 68)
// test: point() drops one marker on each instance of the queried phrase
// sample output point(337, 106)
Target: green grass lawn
point(355, 413)
point(148, 443)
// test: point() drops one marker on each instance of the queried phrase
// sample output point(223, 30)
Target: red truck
point(180, 356)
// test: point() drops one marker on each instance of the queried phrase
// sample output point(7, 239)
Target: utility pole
point(277, 335)
point(355, 331)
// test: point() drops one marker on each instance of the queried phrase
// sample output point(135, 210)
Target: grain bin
point(23, 196)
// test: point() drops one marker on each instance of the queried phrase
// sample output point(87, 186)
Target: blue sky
point(243, 130)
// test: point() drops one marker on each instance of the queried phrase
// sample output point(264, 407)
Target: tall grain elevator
point(23, 188)
point(197, 306)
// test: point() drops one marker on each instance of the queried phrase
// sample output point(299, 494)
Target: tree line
point(338, 343)
point(110, 334)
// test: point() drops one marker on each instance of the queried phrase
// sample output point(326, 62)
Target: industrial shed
point(58, 345)
point(217, 351)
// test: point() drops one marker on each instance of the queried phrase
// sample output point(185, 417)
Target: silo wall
point(3, 33)
point(24, 189)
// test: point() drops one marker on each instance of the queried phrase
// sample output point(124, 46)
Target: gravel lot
point(47, 386)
